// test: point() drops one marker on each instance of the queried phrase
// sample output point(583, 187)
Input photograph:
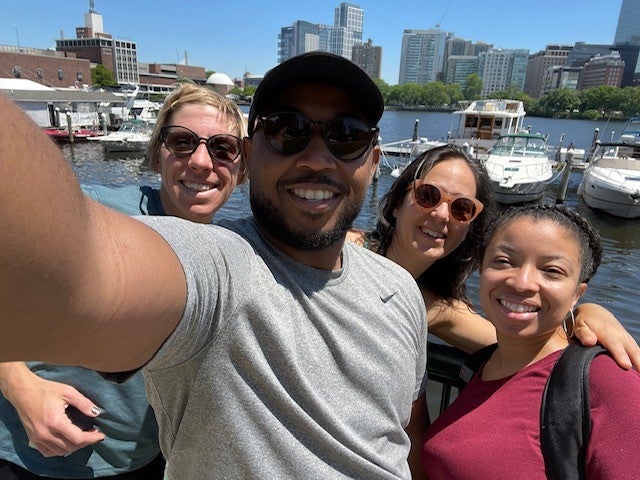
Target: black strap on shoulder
point(565, 418)
point(475, 361)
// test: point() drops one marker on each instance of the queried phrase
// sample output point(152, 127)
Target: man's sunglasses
point(289, 133)
point(181, 141)
point(462, 209)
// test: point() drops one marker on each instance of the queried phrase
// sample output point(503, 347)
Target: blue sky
point(238, 36)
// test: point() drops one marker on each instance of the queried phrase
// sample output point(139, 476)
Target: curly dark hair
point(447, 276)
point(587, 237)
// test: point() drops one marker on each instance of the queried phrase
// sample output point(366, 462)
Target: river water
point(615, 285)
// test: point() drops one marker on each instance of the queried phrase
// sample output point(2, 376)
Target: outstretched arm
point(71, 270)
point(42, 408)
point(457, 324)
point(597, 324)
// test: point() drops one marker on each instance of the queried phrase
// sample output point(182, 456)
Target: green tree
point(604, 98)
point(434, 94)
point(472, 87)
point(384, 88)
point(248, 91)
point(630, 105)
point(101, 77)
point(559, 102)
point(455, 92)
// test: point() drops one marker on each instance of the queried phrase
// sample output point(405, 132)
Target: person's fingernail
point(96, 410)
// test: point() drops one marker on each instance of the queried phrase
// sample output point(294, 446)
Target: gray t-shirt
point(280, 370)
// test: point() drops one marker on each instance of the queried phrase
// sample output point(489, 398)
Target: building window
point(17, 72)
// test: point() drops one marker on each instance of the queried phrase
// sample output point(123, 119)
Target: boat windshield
point(520, 145)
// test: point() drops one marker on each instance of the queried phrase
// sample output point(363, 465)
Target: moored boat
point(133, 136)
point(611, 182)
point(483, 122)
point(79, 134)
point(480, 125)
point(520, 167)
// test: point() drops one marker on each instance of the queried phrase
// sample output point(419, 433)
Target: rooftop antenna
point(92, 7)
point(445, 12)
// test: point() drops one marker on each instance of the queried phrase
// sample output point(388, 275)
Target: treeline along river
point(616, 285)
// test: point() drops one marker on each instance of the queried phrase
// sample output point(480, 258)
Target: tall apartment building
point(303, 37)
point(92, 43)
point(460, 48)
point(560, 76)
point(539, 63)
point(422, 56)
point(628, 29)
point(459, 67)
point(582, 52)
point(368, 57)
point(347, 29)
point(602, 70)
point(501, 68)
point(627, 41)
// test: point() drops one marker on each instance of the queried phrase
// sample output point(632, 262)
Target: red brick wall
point(29, 65)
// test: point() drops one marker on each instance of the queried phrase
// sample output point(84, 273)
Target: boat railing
point(529, 169)
point(443, 366)
point(618, 163)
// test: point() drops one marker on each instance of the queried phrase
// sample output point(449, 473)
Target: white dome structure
point(220, 82)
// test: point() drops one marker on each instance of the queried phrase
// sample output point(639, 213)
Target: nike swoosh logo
point(387, 297)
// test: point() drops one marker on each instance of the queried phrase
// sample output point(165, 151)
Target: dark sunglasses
point(462, 209)
point(181, 141)
point(288, 133)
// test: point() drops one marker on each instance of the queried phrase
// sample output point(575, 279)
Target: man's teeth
point(516, 307)
point(432, 233)
point(313, 194)
point(198, 187)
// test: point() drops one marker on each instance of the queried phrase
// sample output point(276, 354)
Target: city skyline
point(244, 39)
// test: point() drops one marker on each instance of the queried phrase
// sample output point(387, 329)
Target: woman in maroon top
point(536, 263)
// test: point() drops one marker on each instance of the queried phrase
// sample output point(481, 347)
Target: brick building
point(47, 67)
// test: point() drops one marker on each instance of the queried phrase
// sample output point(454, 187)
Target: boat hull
point(608, 196)
point(519, 193)
point(125, 146)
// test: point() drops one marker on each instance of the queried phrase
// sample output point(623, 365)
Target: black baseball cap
point(321, 67)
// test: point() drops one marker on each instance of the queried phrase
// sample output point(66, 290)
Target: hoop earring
point(573, 324)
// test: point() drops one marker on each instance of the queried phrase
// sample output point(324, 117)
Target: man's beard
point(271, 220)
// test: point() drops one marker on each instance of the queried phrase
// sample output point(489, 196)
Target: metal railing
point(443, 366)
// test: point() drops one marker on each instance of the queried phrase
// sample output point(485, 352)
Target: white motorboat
point(480, 125)
point(611, 182)
point(520, 167)
point(483, 122)
point(133, 136)
point(631, 130)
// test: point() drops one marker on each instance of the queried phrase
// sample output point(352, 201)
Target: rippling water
point(615, 285)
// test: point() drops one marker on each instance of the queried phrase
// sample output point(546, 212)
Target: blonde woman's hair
point(192, 94)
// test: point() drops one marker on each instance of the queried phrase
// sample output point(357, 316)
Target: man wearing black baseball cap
point(270, 347)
